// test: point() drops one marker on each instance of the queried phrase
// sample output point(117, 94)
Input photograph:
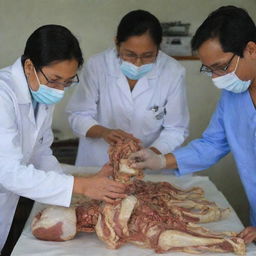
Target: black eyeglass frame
point(64, 84)
point(219, 72)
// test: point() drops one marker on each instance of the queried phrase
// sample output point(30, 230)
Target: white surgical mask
point(231, 82)
point(133, 72)
point(45, 94)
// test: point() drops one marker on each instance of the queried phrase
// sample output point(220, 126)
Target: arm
point(82, 110)
point(202, 153)
point(198, 155)
point(111, 136)
point(19, 178)
point(176, 120)
point(45, 187)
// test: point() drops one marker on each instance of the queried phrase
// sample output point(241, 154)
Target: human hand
point(100, 187)
point(112, 136)
point(248, 234)
point(146, 158)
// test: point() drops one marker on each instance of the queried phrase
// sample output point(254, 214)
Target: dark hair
point(232, 26)
point(136, 23)
point(51, 43)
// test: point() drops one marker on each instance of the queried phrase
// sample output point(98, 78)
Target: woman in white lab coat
point(131, 90)
point(28, 91)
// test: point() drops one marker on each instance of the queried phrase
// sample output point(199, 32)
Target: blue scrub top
point(231, 129)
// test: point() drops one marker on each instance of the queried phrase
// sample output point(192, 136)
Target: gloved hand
point(147, 159)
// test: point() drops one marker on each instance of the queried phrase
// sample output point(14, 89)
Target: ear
point(28, 67)
point(117, 46)
point(251, 49)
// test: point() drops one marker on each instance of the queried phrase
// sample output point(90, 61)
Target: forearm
point(171, 162)
point(78, 185)
point(96, 131)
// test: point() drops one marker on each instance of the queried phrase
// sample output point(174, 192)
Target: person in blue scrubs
point(226, 45)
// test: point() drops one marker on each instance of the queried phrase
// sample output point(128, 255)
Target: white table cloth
point(88, 243)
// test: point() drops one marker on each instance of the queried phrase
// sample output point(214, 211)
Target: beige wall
point(94, 22)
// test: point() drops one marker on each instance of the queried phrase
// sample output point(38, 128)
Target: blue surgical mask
point(46, 95)
point(231, 82)
point(133, 72)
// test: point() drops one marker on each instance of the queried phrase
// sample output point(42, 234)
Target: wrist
point(104, 131)
point(171, 162)
point(163, 161)
point(97, 131)
point(79, 184)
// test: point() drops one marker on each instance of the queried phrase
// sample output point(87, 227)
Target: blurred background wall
point(94, 22)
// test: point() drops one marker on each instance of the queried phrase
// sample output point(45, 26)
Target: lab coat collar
point(113, 65)
point(20, 86)
point(21, 90)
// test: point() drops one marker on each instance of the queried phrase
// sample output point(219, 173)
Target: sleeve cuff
point(66, 194)
point(183, 156)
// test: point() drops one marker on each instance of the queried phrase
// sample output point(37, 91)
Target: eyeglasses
point(218, 71)
point(73, 81)
point(144, 58)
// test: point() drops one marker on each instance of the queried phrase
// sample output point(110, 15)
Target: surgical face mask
point(231, 82)
point(46, 95)
point(133, 72)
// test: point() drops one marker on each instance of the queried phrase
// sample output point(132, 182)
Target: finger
point(123, 133)
point(136, 155)
point(108, 200)
point(117, 185)
point(115, 138)
point(117, 189)
point(128, 135)
point(114, 195)
point(244, 232)
point(137, 140)
point(249, 238)
point(130, 162)
point(139, 165)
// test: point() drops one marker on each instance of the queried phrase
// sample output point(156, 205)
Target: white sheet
point(89, 244)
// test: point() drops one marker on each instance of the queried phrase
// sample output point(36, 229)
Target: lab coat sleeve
point(176, 120)
point(43, 158)
point(206, 151)
point(19, 178)
point(82, 108)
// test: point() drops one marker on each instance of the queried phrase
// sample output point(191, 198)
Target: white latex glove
point(147, 159)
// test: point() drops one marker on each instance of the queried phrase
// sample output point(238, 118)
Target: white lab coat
point(27, 166)
point(104, 97)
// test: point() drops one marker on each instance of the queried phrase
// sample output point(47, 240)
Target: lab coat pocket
point(153, 120)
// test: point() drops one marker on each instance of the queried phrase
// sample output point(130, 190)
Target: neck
point(131, 83)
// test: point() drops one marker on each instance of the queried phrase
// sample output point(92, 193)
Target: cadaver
point(154, 215)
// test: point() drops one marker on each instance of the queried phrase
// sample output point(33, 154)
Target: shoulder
point(6, 84)
point(7, 99)
point(101, 59)
point(101, 65)
point(6, 76)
